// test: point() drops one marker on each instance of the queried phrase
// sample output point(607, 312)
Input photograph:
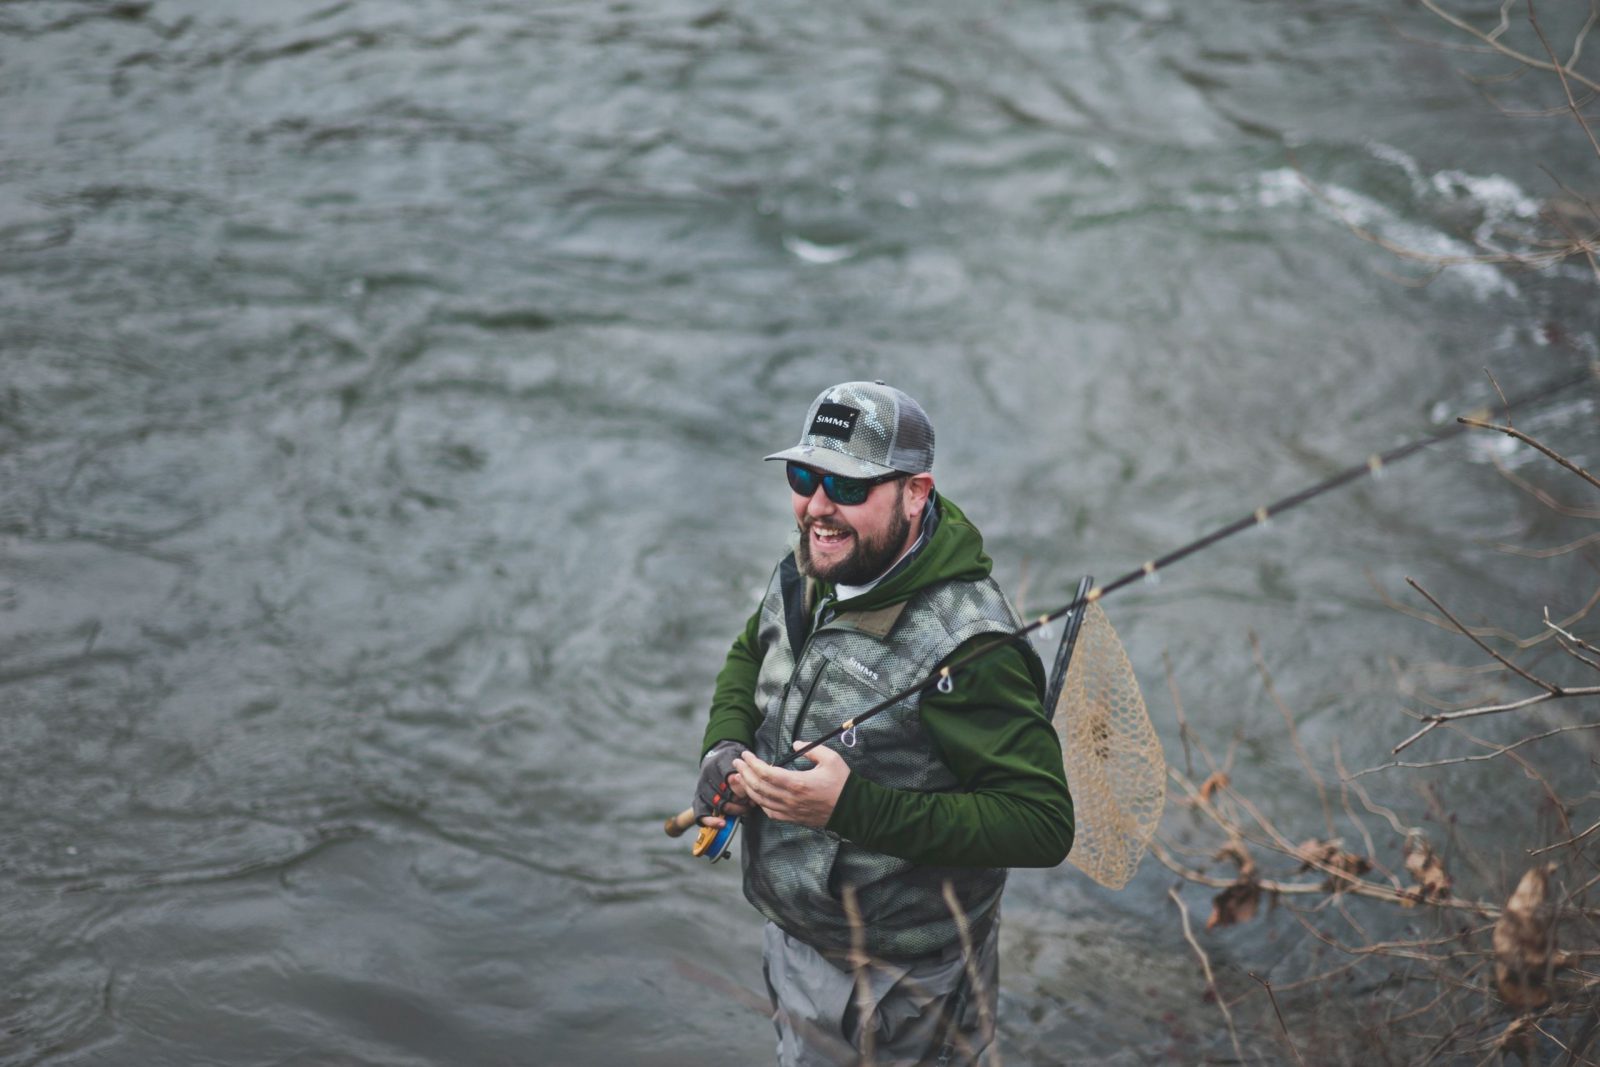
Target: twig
point(1183, 723)
point(1561, 72)
point(970, 959)
point(1577, 42)
point(1549, 553)
point(1563, 844)
point(1350, 813)
point(1512, 431)
point(1568, 640)
point(1410, 950)
point(1560, 629)
point(1566, 228)
point(1279, 1013)
point(1346, 882)
point(1551, 687)
point(1294, 734)
point(1503, 401)
point(1434, 721)
point(1205, 965)
point(1571, 510)
point(1495, 753)
point(1455, 674)
point(1567, 647)
point(859, 961)
point(1378, 809)
point(1522, 643)
point(1505, 20)
point(1511, 53)
point(1556, 805)
point(1211, 881)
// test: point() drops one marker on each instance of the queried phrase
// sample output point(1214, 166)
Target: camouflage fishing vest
point(794, 875)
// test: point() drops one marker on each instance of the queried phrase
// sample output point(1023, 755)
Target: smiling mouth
point(828, 535)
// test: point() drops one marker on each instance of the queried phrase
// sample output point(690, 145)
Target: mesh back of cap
point(913, 439)
point(1113, 758)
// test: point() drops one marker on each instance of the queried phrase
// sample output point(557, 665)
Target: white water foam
point(1285, 187)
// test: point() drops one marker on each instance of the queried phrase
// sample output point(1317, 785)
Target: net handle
point(1069, 640)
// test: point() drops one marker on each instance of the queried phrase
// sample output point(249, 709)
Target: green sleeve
point(733, 703)
point(1013, 808)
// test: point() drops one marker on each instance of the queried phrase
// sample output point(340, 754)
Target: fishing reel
point(713, 841)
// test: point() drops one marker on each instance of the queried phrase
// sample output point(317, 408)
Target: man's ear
point(918, 487)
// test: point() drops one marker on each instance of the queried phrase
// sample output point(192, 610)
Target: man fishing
point(868, 840)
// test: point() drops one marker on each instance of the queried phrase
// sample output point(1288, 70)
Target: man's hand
point(714, 785)
point(805, 797)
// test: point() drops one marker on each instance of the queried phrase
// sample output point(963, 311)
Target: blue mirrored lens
point(802, 480)
point(840, 490)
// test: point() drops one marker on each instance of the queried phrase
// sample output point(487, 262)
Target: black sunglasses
point(840, 490)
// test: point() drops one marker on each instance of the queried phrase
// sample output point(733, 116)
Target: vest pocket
point(875, 672)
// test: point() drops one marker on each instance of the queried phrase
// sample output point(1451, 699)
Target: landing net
point(1113, 758)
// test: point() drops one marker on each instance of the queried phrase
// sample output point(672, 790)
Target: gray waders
point(923, 1012)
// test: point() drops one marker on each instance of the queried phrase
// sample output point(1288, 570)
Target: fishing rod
point(714, 841)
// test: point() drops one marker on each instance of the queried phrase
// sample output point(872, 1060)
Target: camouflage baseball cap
point(864, 430)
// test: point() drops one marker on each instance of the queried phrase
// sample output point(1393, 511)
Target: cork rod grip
point(680, 822)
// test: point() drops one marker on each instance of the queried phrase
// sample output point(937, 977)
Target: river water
point(382, 392)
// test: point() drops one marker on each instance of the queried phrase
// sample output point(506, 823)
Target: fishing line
point(943, 678)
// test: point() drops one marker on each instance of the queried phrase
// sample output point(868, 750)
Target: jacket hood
point(954, 551)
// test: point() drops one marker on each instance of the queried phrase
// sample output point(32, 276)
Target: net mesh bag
point(1113, 758)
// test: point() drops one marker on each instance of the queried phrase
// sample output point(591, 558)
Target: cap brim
point(826, 459)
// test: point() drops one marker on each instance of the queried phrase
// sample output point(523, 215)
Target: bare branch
point(1205, 965)
point(1562, 72)
point(1549, 553)
point(969, 956)
point(1355, 820)
point(1510, 53)
point(1570, 649)
point(1495, 753)
point(1506, 404)
point(1505, 20)
point(1551, 687)
point(860, 961)
point(1192, 874)
point(1294, 734)
point(1582, 35)
point(1482, 631)
point(1510, 431)
point(1561, 632)
point(1434, 721)
point(1275, 840)
point(1564, 844)
point(1540, 495)
point(1279, 1013)
point(1183, 723)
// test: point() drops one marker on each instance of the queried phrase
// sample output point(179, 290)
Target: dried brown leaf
point(1235, 904)
point(1316, 854)
point(1427, 869)
point(1238, 902)
point(1524, 942)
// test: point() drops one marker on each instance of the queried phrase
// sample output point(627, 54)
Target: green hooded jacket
point(1013, 808)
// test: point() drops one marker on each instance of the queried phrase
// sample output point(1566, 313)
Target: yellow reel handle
point(702, 844)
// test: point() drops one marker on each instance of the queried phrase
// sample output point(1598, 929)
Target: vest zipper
point(817, 624)
point(800, 716)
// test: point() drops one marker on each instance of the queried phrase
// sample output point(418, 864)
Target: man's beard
point(868, 559)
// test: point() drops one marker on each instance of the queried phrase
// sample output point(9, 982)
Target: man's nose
point(819, 504)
